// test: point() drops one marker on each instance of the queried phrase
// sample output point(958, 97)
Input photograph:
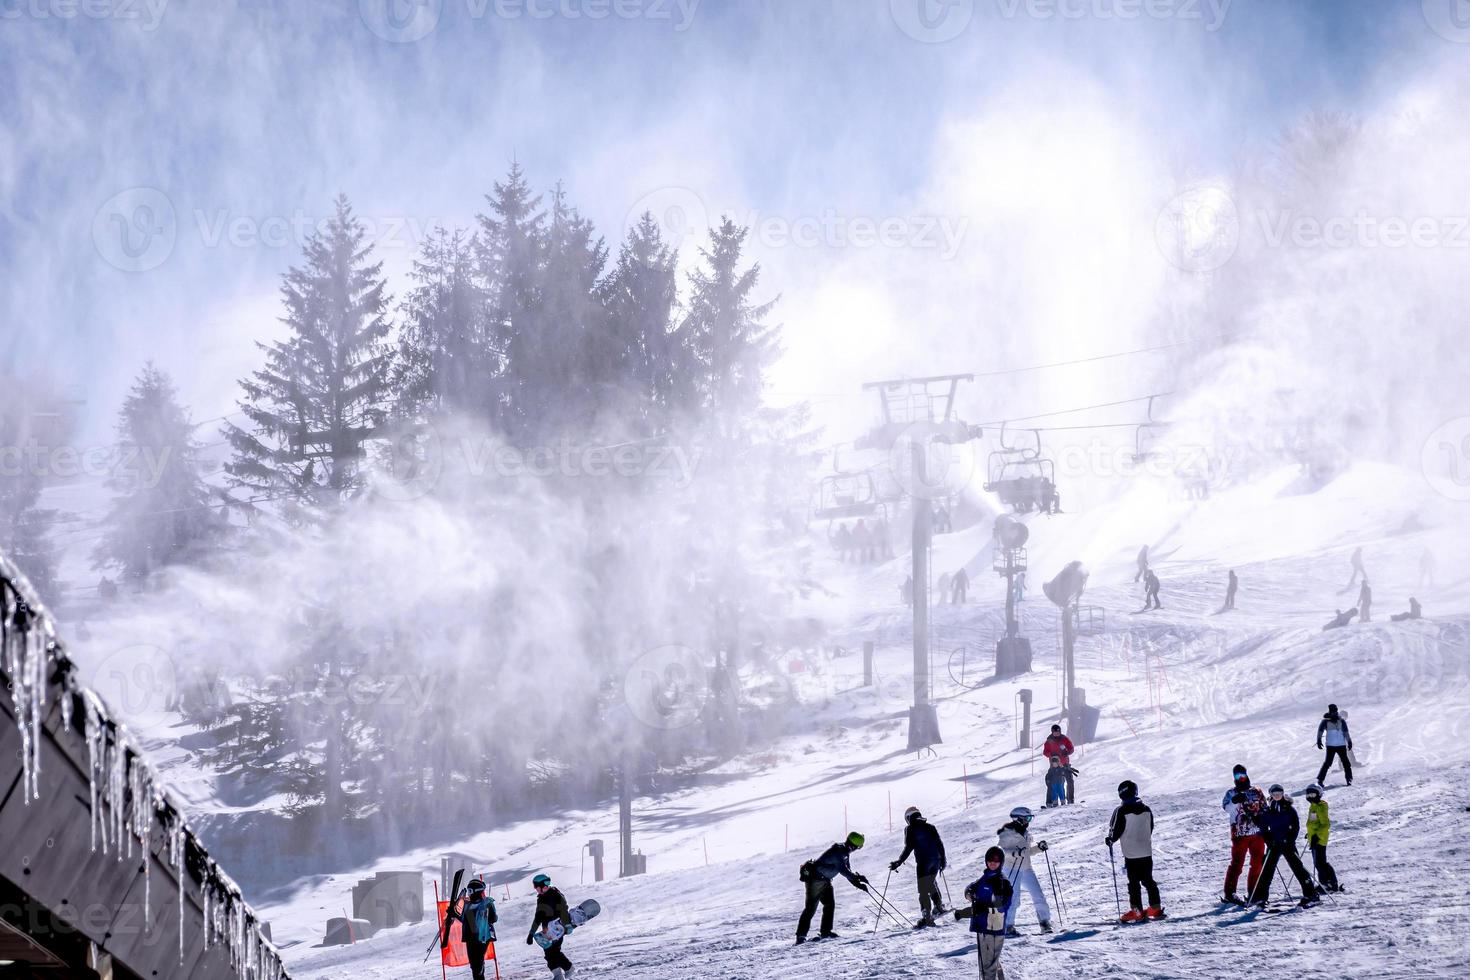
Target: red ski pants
point(1255, 846)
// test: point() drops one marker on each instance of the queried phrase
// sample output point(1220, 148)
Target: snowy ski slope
point(1185, 695)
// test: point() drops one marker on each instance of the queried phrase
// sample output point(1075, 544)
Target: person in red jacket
point(1060, 745)
point(1244, 804)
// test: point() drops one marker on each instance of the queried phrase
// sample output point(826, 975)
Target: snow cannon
point(1010, 533)
point(1068, 586)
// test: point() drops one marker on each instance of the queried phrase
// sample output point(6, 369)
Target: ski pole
point(1316, 882)
point(1284, 886)
point(947, 893)
point(1052, 875)
point(879, 919)
point(893, 913)
point(1117, 900)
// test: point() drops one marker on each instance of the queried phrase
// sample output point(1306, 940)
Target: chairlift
point(844, 495)
point(1020, 475)
point(1145, 437)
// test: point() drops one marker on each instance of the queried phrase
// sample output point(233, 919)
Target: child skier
point(1015, 841)
point(1132, 827)
point(478, 916)
point(1282, 826)
point(1243, 803)
point(1059, 744)
point(921, 839)
point(551, 906)
point(1319, 824)
point(817, 875)
point(990, 900)
point(1056, 782)
point(1334, 728)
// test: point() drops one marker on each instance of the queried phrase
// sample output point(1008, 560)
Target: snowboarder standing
point(921, 839)
point(477, 915)
point(1357, 568)
point(1151, 591)
point(818, 875)
point(1132, 827)
point(961, 587)
point(1142, 564)
point(991, 896)
point(1231, 585)
point(1334, 728)
point(1060, 745)
point(1319, 825)
point(1244, 804)
point(1282, 826)
point(551, 906)
point(1015, 840)
point(1365, 603)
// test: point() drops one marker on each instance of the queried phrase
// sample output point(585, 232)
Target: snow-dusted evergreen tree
point(31, 429)
point(510, 246)
point(446, 363)
point(162, 512)
point(323, 390)
point(553, 364)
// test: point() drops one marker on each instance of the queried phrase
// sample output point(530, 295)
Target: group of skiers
point(475, 911)
point(1363, 611)
point(863, 542)
point(1061, 777)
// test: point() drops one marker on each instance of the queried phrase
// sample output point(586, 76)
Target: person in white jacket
point(1015, 840)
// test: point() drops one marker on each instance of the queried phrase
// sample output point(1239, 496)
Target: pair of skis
point(441, 937)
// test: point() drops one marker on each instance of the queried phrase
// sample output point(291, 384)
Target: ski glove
point(1041, 846)
point(1239, 798)
point(1108, 841)
point(531, 938)
point(894, 865)
point(1319, 745)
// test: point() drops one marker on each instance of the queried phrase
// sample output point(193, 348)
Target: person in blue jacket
point(477, 915)
point(990, 898)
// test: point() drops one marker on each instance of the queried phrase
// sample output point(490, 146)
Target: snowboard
point(554, 930)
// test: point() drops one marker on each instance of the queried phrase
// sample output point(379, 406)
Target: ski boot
point(925, 923)
point(1154, 912)
point(1012, 932)
point(1233, 899)
point(1131, 916)
point(1046, 928)
point(800, 940)
point(828, 935)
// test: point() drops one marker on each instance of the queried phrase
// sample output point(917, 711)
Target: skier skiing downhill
point(1243, 803)
point(1334, 728)
point(1015, 841)
point(921, 839)
point(551, 906)
point(1319, 825)
point(990, 899)
point(1132, 827)
point(478, 916)
point(1060, 745)
point(817, 875)
point(1282, 826)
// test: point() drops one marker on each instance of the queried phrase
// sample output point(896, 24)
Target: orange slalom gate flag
point(454, 954)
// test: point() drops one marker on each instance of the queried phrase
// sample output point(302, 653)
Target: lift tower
point(917, 416)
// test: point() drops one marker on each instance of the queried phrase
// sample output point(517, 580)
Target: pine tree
point(322, 392)
point(161, 513)
point(554, 363)
point(32, 427)
point(446, 364)
point(511, 246)
point(726, 333)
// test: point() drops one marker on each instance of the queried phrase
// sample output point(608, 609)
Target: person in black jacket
point(1132, 827)
point(551, 905)
point(818, 875)
point(921, 839)
point(1281, 826)
point(477, 915)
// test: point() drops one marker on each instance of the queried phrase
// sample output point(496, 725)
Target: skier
point(1151, 591)
point(842, 541)
point(477, 914)
point(1365, 602)
point(1132, 827)
point(961, 586)
point(1059, 744)
point(862, 541)
point(906, 591)
point(1415, 612)
point(1015, 840)
point(818, 875)
point(1142, 564)
point(1335, 728)
point(551, 906)
point(1056, 782)
point(1281, 825)
point(942, 590)
point(1357, 568)
point(1319, 825)
point(1341, 620)
point(1231, 585)
point(921, 839)
point(991, 897)
point(1243, 803)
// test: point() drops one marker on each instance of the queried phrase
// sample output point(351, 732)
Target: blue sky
point(242, 121)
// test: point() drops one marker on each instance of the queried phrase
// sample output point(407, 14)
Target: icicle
point(92, 733)
point(176, 857)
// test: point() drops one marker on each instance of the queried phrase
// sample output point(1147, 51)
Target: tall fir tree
point(323, 391)
point(511, 245)
point(161, 514)
point(34, 426)
point(555, 365)
point(446, 363)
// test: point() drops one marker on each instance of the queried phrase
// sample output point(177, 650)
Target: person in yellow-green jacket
point(1319, 825)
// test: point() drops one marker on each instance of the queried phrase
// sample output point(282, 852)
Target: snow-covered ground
point(1185, 694)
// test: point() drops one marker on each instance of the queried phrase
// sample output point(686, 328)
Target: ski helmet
point(1057, 729)
point(1314, 791)
point(475, 885)
point(1127, 789)
point(855, 839)
point(911, 813)
point(995, 854)
point(1239, 769)
point(541, 881)
point(1276, 788)
point(1022, 813)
